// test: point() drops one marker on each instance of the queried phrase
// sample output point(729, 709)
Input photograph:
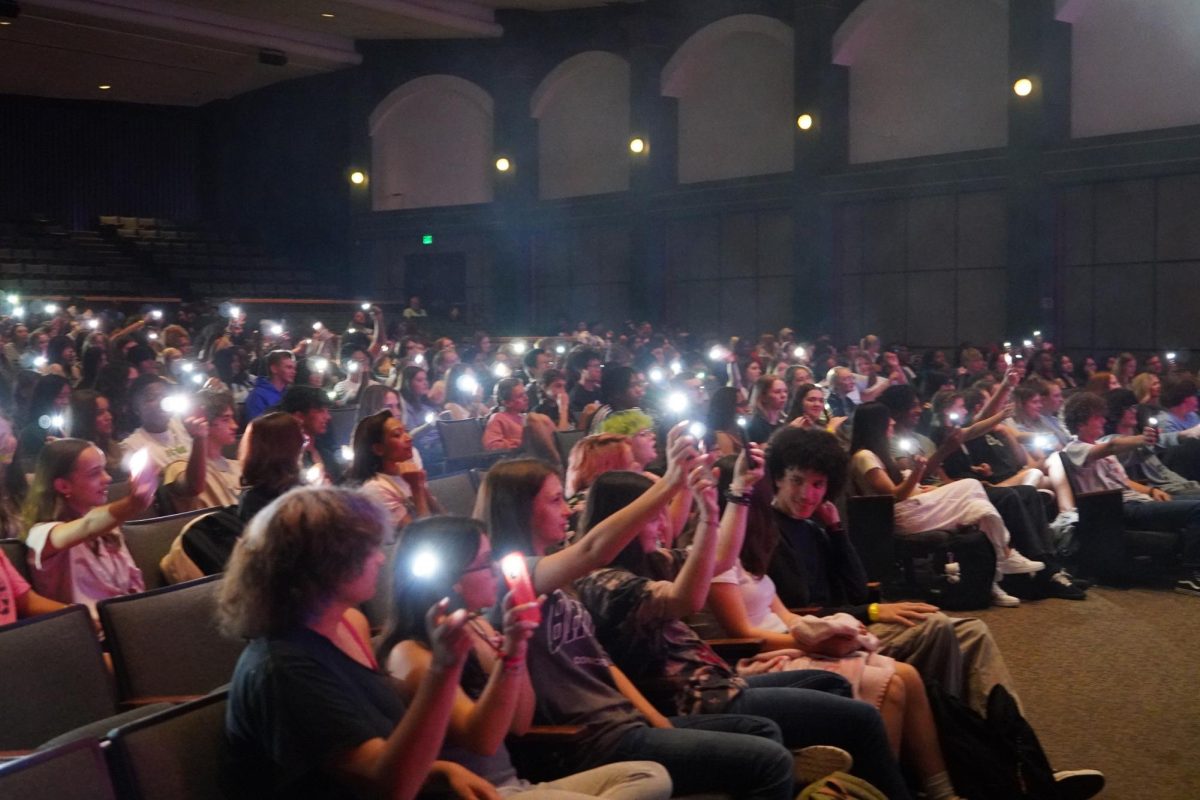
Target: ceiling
point(190, 52)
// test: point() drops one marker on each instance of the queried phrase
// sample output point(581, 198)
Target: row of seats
point(172, 754)
point(165, 648)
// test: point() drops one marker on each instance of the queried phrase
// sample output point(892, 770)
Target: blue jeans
point(809, 716)
point(1170, 515)
point(729, 753)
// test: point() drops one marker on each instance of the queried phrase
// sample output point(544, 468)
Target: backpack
point(997, 758)
point(953, 571)
point(208, 540)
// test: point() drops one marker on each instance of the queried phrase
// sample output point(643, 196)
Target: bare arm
point(102, 519)
point(725, 602)
point(998, 398)
point(31, 604)
point(880, 483)
point(985, 424)
point(600, 545)
point(747, 471)
point(686, 594)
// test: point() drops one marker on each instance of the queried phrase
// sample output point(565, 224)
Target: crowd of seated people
point(976, 437)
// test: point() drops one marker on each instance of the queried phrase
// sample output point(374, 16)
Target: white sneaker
point(1002, 598)
point(1017, 564)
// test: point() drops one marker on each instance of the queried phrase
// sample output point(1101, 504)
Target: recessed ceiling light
point(5, 22)
point(104, 87)
point(327, 15)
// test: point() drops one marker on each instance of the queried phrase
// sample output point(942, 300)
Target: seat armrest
point(551, 734)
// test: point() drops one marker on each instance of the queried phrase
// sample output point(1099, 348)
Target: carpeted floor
point(1112, 683)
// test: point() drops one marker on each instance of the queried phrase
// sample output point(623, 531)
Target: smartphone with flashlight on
point(516, 577)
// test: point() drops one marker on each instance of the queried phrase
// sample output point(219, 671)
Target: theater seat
point(74, 771)
point(165, 643)
point(56, 686)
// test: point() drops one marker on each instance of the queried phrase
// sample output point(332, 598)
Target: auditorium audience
point(922, 508)
point(219, 484)
point(45, 417)
point(576, 683)
point(495, 698)
point(638, 601)
point(1095, 467)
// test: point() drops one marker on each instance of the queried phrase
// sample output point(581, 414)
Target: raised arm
point(600, 545)
point(507, 702)
point(1000, 396)
point(986, 423)
point(1121, 444)
point(747, 471)
point(102, 519)
point(686, 594)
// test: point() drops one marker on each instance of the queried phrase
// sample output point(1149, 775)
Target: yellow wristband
point(873, 612)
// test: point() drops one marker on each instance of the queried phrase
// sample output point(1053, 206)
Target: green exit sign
point(427, 239)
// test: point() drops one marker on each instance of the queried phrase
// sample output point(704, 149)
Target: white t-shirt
point(757, 595)
point(173, 444)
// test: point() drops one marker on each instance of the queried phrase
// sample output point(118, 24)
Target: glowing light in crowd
point(467, 384)
point(152, 336)
point(676, 367)
point(18, 311)
point(798, 352)
point(13, 299)
point(39, 361)
point(347, 453)
point(187, 366)
point(93, 323)
point(560, 349)
point(1153, 422)
point(138, 462)
point(313, 474)
point(1170, 356)
point(365, 306)
point(1041, 442)
point(317, 326)
point(176, 404)
point(276, 329)
point(501, 370)
point(677, 402)
point(954, 416)
point(419, 358)
point(352, 367)
point(907, 445)
point(742, 422)
point(519, 347)
point(1037, 334)
point(156, 313)
point(425, 564)
point(697, 430)
point(430, 417)
point(235, 312)
point(718, 353)
point(1027, 342)
point(51, 308)
point(197, 379)
point(320, 364)
point(657, 375)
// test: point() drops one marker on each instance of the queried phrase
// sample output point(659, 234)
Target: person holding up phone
point(76, 550)
point(311, 714)
point(452, 557)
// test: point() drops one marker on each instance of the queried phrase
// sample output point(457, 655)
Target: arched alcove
point(582, 109)
point(431, 145)
point(926, 77)
point(1134, 66)
point(733, 80)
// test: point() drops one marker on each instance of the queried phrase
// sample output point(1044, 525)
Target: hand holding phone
point(516, 577)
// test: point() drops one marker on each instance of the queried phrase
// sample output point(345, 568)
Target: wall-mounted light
point(1022, 87)
point(104, 87)
point(804, 122)
point(358, 177)
point(638, 145)
point(503, 164)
